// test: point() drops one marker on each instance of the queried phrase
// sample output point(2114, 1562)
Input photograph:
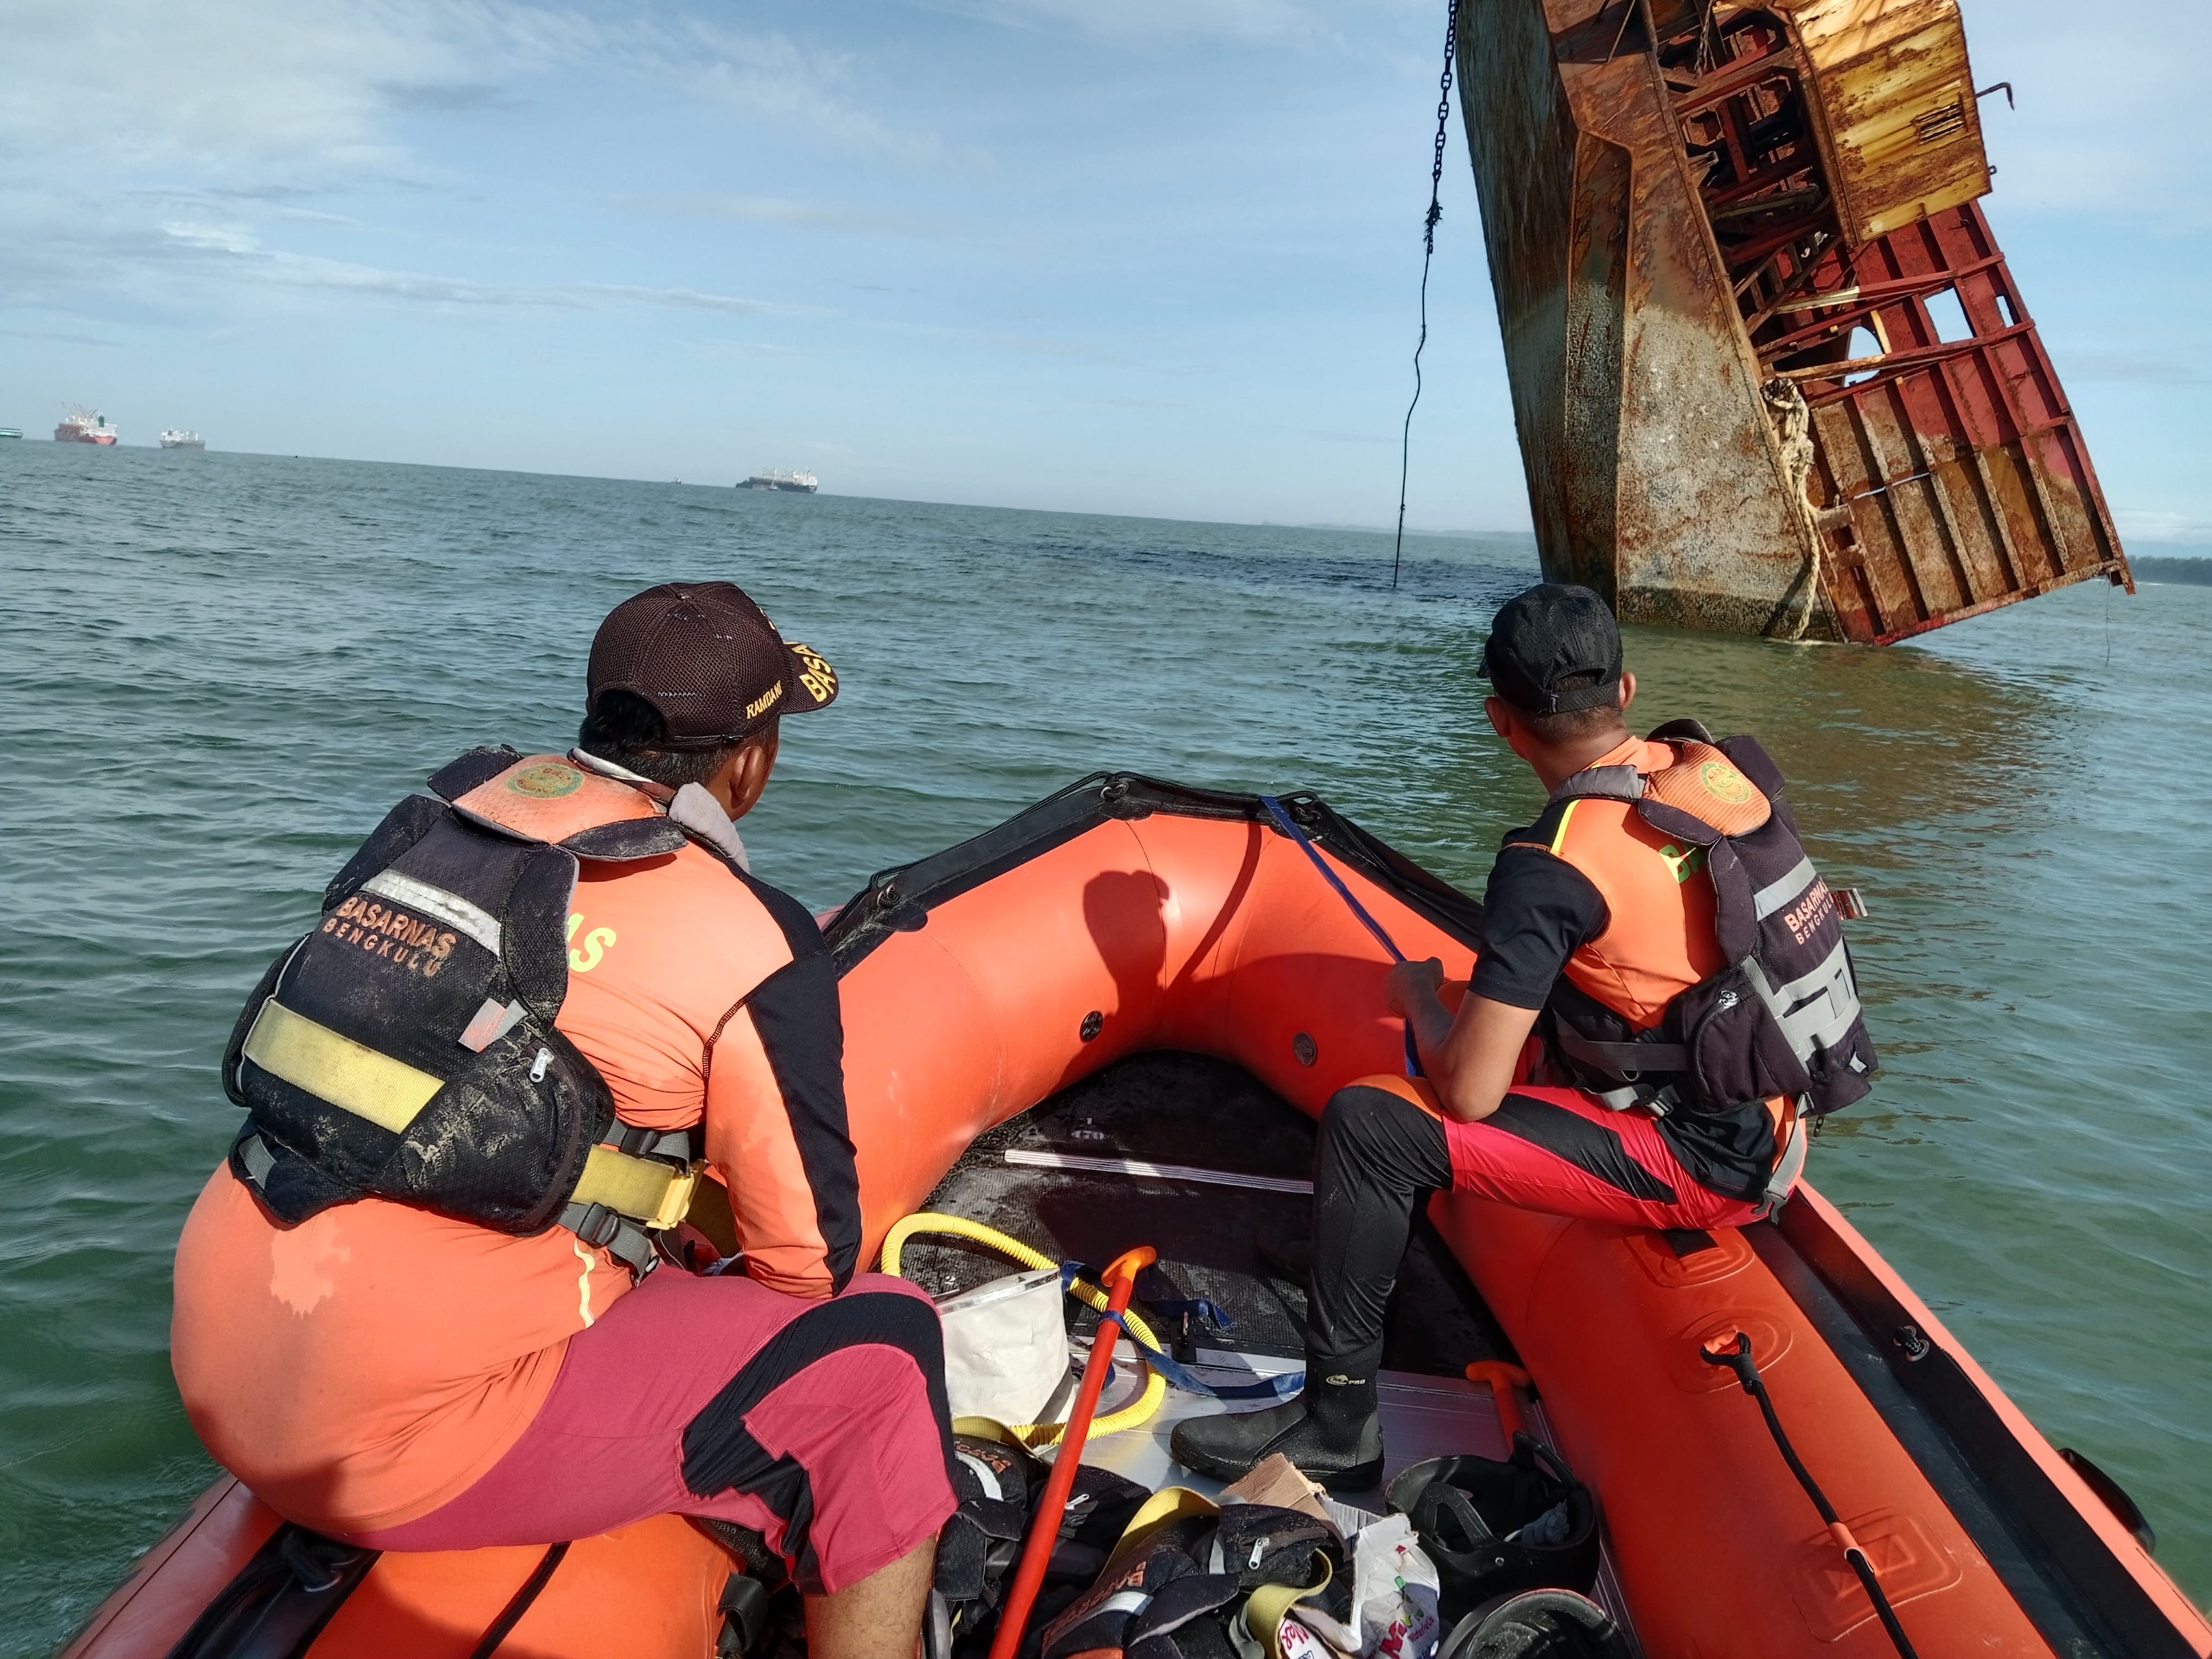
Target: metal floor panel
point(1184, 1110)
point(1423, 1417)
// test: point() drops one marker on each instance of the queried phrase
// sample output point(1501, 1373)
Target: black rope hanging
point(1428, 250)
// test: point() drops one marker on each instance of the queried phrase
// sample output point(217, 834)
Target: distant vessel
point(805, 482)
point(177, 438)
point(84, 425)
point(11, 431)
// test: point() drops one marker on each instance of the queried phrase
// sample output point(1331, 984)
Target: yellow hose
point(1038, 1434)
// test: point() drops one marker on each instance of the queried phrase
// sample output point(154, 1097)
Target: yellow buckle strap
point(349, 1075)
point(354, 1078)
point(652, 1194)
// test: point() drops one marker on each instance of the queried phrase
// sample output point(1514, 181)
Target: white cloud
point(143, 140)
point(242, 257)
point(160, 271)
point(1292, 20)
point(277, 90)
point(780, 211)
point(245, 90)
point(2145, 524)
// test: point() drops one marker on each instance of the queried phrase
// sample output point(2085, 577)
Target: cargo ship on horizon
point(804, 483)
point(85, 426)
point(177, 438)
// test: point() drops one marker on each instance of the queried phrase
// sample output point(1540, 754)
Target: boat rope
point(1288, 826)
point(522, 1601)
point(1739, 1360)
point(1428, 251)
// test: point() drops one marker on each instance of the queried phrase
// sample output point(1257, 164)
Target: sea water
point(217, 671)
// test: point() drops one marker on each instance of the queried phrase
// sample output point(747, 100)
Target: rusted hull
point(1680, 294)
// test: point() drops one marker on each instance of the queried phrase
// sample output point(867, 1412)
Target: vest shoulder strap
point(546, 798)
point(1705, 784)
point(1599, 783)
point(457, 776)
point(1750, 758)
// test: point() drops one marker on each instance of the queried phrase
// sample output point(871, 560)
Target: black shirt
point(1537, 911)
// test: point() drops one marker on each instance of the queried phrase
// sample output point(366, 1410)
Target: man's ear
point(1627, 690)
point(1501, 717)
point(738, 781)
point(754, 762)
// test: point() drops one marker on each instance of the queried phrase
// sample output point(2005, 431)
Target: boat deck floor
point(1188, 1112)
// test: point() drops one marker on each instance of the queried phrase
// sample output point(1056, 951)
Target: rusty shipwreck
point(1771, 373)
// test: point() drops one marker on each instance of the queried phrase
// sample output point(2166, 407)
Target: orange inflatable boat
point(1125, 916)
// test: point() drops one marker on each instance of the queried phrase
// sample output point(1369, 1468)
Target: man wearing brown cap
point(436, 1298)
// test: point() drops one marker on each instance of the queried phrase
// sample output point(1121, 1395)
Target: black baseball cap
point(1549, 633)
point(709, 660)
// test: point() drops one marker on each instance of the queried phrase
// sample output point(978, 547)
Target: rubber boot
point(1330, 1432)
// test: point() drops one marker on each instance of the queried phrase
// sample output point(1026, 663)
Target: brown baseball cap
point(709, 660)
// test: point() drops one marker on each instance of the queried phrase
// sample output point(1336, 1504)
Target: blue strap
point(1266, 1388)
point(1196, 1307)
point(1163, 1295)
point(1289, 827)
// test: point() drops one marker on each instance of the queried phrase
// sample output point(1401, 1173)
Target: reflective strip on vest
point(354, 1078)
point(1814, 1011)
point(348, 1075)
point(456, 912)
point(1776, 893)
point(1559, 835)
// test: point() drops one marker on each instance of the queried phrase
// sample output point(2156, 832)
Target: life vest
point(1781, 1019)
point(406, 1048)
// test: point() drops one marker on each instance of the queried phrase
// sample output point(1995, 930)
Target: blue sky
point(1141, 256)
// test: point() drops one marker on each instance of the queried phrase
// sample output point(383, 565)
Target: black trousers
point(1377, 1160)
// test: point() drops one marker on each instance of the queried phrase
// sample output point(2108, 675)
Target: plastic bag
point(1394, 1600)
point(1006, 1347)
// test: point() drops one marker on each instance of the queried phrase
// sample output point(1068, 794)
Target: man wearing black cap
point(1605, 919)
point(444, 1294)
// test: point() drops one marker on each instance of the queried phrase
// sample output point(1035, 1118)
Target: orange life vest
point(1754, 998)
point(406, 1048)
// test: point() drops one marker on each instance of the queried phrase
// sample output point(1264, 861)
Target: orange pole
point(1121, 1280)
point(1504, 1378)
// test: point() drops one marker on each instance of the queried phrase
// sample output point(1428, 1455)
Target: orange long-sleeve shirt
point(365, 1366)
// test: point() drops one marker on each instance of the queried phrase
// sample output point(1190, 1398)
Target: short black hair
point(1576, 724)
point(624, 728)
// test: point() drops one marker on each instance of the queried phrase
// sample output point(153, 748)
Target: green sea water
point(217, 671)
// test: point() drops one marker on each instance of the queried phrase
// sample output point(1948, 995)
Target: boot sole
point(1360, 1477)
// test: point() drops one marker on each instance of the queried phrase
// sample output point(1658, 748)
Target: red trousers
point(1384, 1147)
point(821, 1425)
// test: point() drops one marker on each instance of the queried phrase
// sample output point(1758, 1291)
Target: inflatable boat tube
point(1125, 915)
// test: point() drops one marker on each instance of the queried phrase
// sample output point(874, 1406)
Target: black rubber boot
point(1330, 1432)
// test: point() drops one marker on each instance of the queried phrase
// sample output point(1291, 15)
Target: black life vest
point(1783, 1018)
point(406, 1048)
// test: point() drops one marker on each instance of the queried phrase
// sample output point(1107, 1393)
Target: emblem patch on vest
point(1723, 783)
point(547, 781)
